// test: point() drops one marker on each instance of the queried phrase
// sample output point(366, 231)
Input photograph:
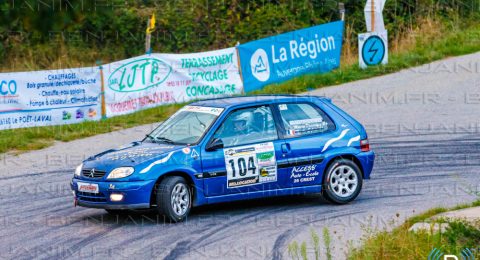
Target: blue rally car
point(228, 149)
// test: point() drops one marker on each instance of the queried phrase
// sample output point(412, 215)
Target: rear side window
point(304, 119)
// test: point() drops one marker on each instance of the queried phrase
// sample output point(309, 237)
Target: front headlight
point(120, 172)
point(78, 170)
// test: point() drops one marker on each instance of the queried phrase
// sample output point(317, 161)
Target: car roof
point(227, 102)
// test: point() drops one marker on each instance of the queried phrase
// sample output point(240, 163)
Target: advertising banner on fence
point(51, 97)
point(285, 56)
point(157, 79)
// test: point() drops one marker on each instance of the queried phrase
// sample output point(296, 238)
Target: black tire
point(333, 185)
point(164, 198)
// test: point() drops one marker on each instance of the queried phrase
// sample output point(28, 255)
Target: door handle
point(285, 148)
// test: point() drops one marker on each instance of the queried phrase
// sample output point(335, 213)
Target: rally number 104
point(241, 166)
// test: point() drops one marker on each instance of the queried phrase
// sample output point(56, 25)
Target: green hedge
point(117, 27)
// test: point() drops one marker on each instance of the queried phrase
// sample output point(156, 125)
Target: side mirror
point(214, 144)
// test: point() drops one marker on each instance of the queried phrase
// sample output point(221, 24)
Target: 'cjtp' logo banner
point(138, 75)
point(285, 56)
point(163, 78)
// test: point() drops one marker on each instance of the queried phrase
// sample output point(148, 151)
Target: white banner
point(157, 79)
point(51, 97)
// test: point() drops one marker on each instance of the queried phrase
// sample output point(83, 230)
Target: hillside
point(58, 34)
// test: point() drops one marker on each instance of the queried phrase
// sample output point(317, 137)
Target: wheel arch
point(185, 175)
point(350, 157)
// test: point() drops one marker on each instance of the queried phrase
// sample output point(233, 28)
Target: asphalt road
point(423, 125)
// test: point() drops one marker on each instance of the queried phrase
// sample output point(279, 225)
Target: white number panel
point(250, 165)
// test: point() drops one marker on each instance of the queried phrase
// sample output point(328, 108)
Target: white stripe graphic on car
point(331, 141)
point(353, 139)
point(163, 160)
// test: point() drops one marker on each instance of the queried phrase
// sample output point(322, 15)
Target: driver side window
point(247, 125)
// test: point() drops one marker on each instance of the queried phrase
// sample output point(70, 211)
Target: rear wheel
point(342, 182)
point(174, 198)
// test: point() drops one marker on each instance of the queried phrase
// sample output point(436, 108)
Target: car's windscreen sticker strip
point(210, 110)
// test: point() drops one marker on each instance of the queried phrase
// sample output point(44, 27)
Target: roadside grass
point(399, 243)
point(420, 46)
point(24, 139)
point(404, 244)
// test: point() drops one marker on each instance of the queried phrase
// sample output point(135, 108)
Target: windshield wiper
point(164, 139)
point(151, 138)
point(160, 139)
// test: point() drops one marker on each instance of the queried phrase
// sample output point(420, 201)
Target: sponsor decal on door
point(250, 165)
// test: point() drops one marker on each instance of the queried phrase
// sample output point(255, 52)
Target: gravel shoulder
point(67, 155)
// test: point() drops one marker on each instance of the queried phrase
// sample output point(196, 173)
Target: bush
point(103, 29)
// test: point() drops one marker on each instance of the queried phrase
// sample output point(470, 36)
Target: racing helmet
point(242, 121)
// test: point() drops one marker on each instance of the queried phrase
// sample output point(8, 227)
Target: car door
point(247, 162)
point(307, 131)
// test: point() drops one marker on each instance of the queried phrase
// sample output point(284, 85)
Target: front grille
point(91, 197)
point(96, 173)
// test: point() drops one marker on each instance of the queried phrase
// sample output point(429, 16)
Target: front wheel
point(174, 198)
point(342, 182)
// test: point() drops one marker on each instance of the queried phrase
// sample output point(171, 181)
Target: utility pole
point(341, 9)
point(148, 36)
point(373, 45)
point(373, 15)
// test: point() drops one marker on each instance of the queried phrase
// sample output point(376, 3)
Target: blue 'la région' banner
point(278, 58)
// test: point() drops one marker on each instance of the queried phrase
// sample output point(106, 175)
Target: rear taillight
point(364, 145)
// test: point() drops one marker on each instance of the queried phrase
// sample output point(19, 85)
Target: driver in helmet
point(241, 122)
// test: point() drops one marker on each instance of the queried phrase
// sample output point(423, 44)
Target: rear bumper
point(366, 159)
point(136, 195)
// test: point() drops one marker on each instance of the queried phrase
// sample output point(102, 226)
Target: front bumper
point(136, 194)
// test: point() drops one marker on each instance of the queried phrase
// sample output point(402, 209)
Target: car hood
point(130, 155)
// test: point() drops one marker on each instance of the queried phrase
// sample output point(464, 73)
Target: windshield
point(186, 126)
